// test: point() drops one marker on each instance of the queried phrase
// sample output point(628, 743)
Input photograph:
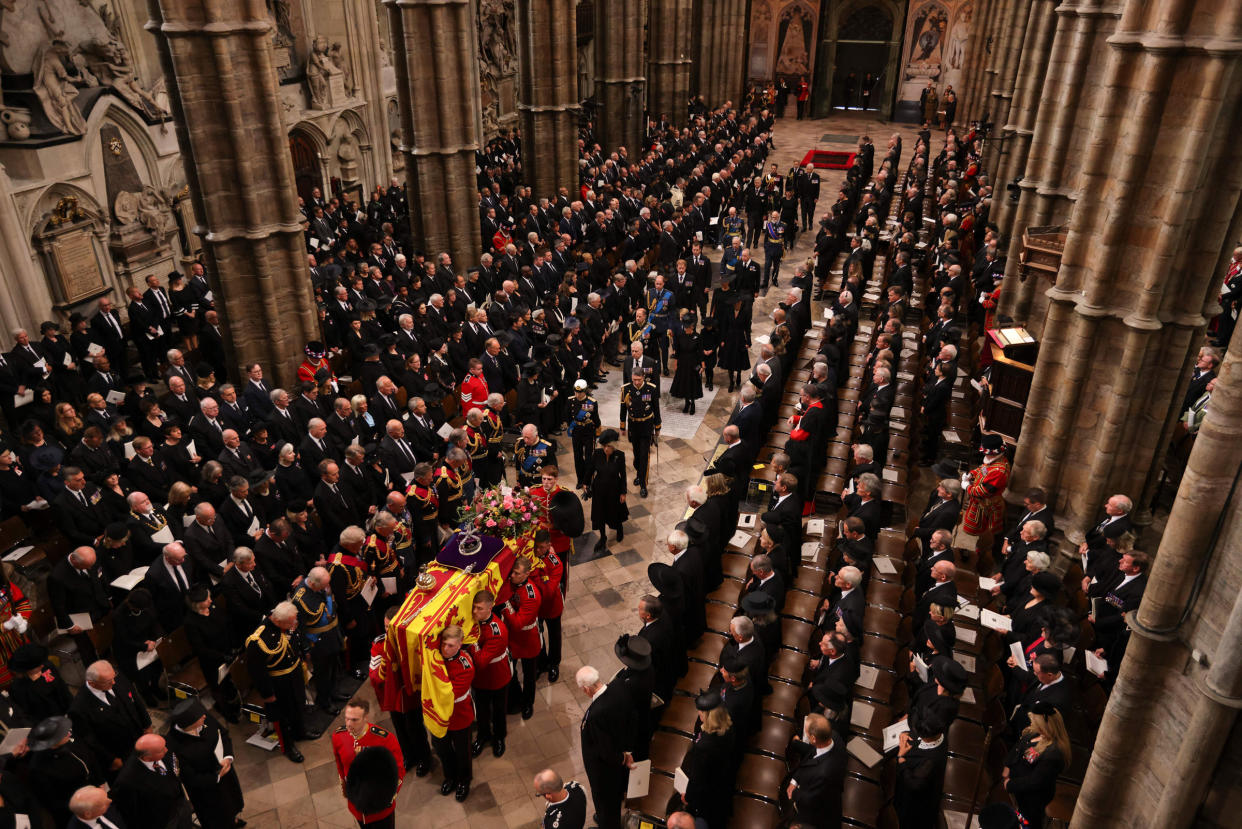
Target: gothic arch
point(43, 204)
point(838, 46)
point(141, 146)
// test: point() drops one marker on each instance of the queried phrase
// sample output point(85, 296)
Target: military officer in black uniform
point(320, 623)
point(530, 453)
point(450, 486)
point(641, 406)
point(424, 506)
point(584, 425)
point(349, 573)
point(274, 660)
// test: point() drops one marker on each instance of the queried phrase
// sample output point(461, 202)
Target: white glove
point(965, 481)
point(16, 623)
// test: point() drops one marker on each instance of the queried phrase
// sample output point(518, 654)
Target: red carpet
point(828, 159)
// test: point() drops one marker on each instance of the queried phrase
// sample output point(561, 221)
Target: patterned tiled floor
point(601, 604)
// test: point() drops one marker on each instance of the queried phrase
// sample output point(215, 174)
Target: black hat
point(135, 378)
point(386, 340)
point(992, 444)
point(1046, 583)
point(633, 651)
point(529, 368)
point(323, 374)
point(731, 660)
point(371, 350)
point(708, 700)
point(259, 476)
point(757, 603)
point(372, 781)
point(352, 316)
point(26, 657)
point(951, 676)
point(140, 597)
point(565, 513)
point(75, 318)
point(364, 305)
point(554, 340)
point(116, 531)
point(541, 352)
point(187, 712)
point(998, 816)
point(46, 458)
point(665, 580)
point(297, 505)
point(1043, 708)
point(608, 436)
point(384, 302)
point(48, 733)
point(203, 370)
point(689, 320)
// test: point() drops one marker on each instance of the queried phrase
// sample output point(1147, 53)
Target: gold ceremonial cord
point(278, 652)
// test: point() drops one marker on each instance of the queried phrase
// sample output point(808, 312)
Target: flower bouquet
point(502, 511)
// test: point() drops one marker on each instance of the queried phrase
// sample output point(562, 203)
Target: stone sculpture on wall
point(65, 47)
point(324, 79)
point(497, 63)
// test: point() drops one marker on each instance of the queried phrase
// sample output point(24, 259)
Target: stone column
point(1056, 143)
point(548, 93)
point(1156, 190)
point(620, 85)
point(1156, 752)
point(1002, 90)
point(981, 48)
point(435, 46)
point(668, 65)
point(217, 61)
point(1036, 50)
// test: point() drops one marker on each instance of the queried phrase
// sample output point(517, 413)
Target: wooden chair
point(773, 736)
point(708, 649)
point(667, 750)
point(861, 803)
point(760, 776)
point(752, 813)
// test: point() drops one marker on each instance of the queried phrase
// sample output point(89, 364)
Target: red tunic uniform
point(309, 368)
point(560, 542)
point(985, 503)
point(520, 614)
point(473, 393)
point(390, 691)
point(491, 655)
point(345, 748)
point(461, 674)
point(552, 603)
point(797, 432)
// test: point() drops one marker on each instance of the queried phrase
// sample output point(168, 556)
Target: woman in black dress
point(687, 382)
point(732, 311)
point(135, 631)
point(921, 761)
point(708, 765)
point(606, 487)
point(184, 301)
point(1035, 762)
point(211, 640)
point(67, 381)
point(709, 348)
point(210, 781)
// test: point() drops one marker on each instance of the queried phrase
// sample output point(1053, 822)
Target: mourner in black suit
point(205, 752)
point(149, 787)
point(108, 716)
point(248, 595)
point(76, 585)
point(815, 786)
point(608, 730)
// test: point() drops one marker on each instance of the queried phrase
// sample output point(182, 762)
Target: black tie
point(182, 584)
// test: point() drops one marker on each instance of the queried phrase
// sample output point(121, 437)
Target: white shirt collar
point(599, 693)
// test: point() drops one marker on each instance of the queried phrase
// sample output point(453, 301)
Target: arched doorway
point(306, 168)
point(858, 58)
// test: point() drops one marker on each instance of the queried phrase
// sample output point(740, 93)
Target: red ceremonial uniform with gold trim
point(345, 748)
point(491, 655)
point(552, 603)
point(985, 503)
point(461, 676)
point(560, 542)
point(473, 393)
point(521, 614)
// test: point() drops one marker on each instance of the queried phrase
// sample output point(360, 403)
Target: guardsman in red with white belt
point(453, 748)
point(552, 602)
point(492, 674)
point(401, 705)
point(521, 615)
point(352, 738)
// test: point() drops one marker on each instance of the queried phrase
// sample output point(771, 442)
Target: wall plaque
point(76, 266)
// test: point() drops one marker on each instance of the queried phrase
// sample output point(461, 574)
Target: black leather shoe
point(476, 748)
point(637, 480)
point(358, 673)
point(553, 675)
point(643, 492)
point(422, 769)
point(447, 787)
point(498, 748)
point(528, 712)
point(238, 822)
point(600, 545)
point(621, 534)
point(463, 791)
point(293, 754)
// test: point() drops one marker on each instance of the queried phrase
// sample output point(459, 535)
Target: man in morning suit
point(149, 787)
point(108, 716)
point(608, 727)
point(815, 787)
